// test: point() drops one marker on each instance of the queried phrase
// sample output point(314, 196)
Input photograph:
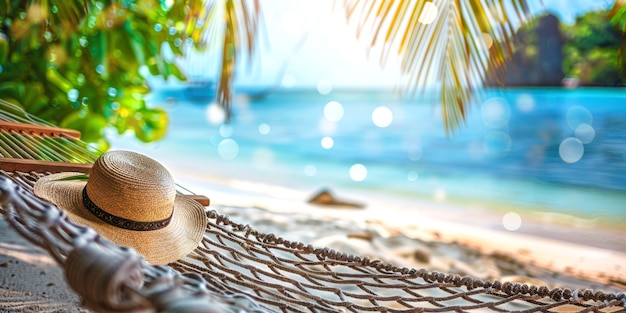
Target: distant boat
point(199, 88)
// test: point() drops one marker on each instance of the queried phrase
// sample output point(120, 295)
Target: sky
point(307, 43)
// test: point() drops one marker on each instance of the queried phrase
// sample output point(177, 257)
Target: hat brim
point(162, 246)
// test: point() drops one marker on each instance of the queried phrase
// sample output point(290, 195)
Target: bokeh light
point(495, 113)
point(327, 127)
point(578, 115)
point(496, 144)
point(488, 40)
point(324, 86)
point(525, 102)
point(264, 129)
point(36, 14)
point(382, 116)
point(333, 111)
point(327, 143)
point(511, 221)
point(215, 114)
point(358, 172)
point(112, 92)
point(72, 95)
point(310, 170)
point(571, 150)
point(226, 131)
point(415, 153)
point(412, 176)
point(429, 13)
point(585, 133)
point(228, 149)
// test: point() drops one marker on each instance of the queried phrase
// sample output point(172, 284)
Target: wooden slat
point(39, 166)
point(205, 201)
point(38, 129)
point(28, 165)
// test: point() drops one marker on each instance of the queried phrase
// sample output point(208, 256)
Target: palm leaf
point(451, 50)
point(235, 22)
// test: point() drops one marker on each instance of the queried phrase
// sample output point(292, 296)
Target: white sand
point(424, 220)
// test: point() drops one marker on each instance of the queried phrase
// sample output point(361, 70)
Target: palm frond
point(236, 23)
point(450, 50)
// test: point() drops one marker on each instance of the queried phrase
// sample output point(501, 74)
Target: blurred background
point(515, 115)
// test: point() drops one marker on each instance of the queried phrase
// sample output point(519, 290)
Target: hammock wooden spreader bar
point(238, 269)
point(29, 129)
point(47, 149)
point(28, 165)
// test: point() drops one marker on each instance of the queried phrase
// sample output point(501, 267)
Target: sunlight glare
point(382, 116)
point(358, 172)
point(571, 150)
point(293, 22)
point(429, 13)
point(440, 195)
point(333, 111)
point(327, 143)
point(215, 114)
point(167, 4)
point(511, 221)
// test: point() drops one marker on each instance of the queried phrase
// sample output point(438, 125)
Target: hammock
point(236, 268)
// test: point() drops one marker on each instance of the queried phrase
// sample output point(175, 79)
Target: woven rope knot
point(7, 189)
point(113, 280)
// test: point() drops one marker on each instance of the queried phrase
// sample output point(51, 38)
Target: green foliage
point(82, 64)
point(592, 50)
point(617, 14)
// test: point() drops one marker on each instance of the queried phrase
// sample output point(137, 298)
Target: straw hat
point(131, 200)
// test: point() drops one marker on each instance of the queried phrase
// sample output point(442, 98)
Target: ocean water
point(535, 150)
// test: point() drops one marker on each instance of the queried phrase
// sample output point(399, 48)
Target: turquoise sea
point(543, 150)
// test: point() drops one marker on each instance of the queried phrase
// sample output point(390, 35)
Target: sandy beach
point(399, 235)
point(383, 229)
point(30, 280)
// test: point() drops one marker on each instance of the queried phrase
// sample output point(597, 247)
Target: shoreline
point(568, 255)
point(488, 213)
